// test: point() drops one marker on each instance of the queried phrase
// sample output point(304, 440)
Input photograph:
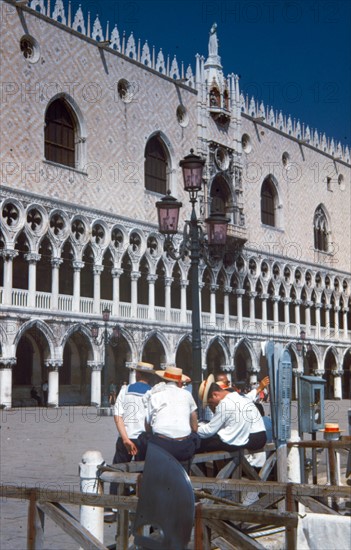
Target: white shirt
point(168, 410)
point(130, 406)
point(236, 417)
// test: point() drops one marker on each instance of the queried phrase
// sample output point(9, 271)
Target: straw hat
point(143, 367)
point(331, 427)
point(204, 388)
point(172, 374)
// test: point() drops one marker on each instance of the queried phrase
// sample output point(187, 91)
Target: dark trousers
point(214, 443)
point(183, 450)
point(122, 455)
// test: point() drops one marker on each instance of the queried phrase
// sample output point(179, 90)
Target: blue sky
point(293, 54)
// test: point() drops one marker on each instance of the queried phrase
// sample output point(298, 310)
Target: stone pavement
point(43, 447)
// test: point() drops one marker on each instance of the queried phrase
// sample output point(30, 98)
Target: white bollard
point(6, 388)
point(91, 517)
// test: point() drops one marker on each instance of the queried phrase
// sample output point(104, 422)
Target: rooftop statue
point(213, 41)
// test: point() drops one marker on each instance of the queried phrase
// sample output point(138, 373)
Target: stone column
point(337, 383)
point(151, 279)
point(345, 312)
point(77, 266)
point(297, 312)
point(53, 382)
point(32, 260)
point(134, 293)
point(252, 296)
point(227, 290)
point(8, 256)
point(183, 285)
point(275, 300)
point(116, 273)
point(336, 322)
point(264, 298)
point(213, 290)
point(6, 382)
point(318, 319)
point(55, 264)
point(327, 320)
point(239, 293)
point(286, 302)
point(308, 317)
point(168, 284)
point(95, 383)
point(97, 270)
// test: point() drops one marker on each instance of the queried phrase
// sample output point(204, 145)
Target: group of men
point(165, 414)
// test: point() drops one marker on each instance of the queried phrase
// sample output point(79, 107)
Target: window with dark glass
point(60, 129)
point(156, 166)
point(267, 204)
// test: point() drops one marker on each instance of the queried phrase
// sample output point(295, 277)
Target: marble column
point(308, 305)
point(168, 285)
point(318, 307)
point(227, 290)
point(275, 300)
point(327, 320)
point(345, 312)
point(55, 265)
point(97, 270)
point(252, 296)
point(116, 273)
point(77, 266)
point(240, 293)
point(337, 383)
point(297, 312)
point(8, 256)
point(286, 302)
point(32, 260)
point(151, 279)
point(134, 293)
point(264, 298)
point(213, 290)
point(95, 383)
point(183, 285)
point(6, 366)
point(336, 322)
point(53, 382)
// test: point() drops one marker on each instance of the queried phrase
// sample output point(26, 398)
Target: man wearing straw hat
point(171, 415)
point(129, 414)
point(236, 423)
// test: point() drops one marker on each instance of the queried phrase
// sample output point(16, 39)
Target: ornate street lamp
point(107, 339)
point(208, 246)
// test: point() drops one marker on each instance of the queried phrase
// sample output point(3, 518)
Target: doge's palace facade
point(93, 126)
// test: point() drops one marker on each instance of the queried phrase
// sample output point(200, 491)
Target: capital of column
point(227, 289)
point(227, 368)
point(151, 278)
point(252, 294)
point(53, 365)
point(98, 269)
point(7, 362)
point(286, 300)
point(135, 275)
point(214, 288)
point(95, 366)
point(318, 305)
point(32, 258)
point(264, 296)
point(328, 307)
point(337, 309)
point(275, 298)
point(239, 291)
point(308, 303)
point(318, 372)
point(8, 254)
point(116, 272)
point(254, 369)
point(297, 302)
point(336, 372)
point(77, 265)
point(168, 281)
point(345, 309)
point(184, 284)
point(56, 262)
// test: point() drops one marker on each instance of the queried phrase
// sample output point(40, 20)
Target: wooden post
point(290, 506)
point(35, 529)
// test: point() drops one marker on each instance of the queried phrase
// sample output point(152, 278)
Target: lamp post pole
point(104, 400)
point(195, 241)
point(195, 299)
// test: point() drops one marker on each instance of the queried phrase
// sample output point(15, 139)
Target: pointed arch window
point(156, 166)
point(268, 197)
point(320, 225)
point(60, 133)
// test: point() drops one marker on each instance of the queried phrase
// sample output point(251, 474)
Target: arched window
point(267, 203)
point(156, 166)
point(60, 133)
point(320, 225)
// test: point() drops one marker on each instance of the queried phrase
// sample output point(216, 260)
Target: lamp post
point(195, 242)
point(106, 339)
